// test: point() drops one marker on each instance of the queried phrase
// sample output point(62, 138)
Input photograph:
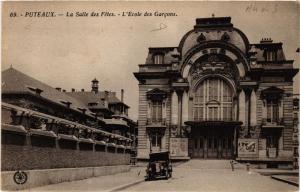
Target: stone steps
point(210, 164)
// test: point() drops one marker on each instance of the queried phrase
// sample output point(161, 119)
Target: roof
point(213, 22)
point(92, 97)
point(89, 97)
point(14, 81)
point(261, 47)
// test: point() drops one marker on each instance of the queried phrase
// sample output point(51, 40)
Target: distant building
point(45, 128)
point(24, 91)
point(296, 130)
point(217, 96)
point(97, 109)
point(112, 110)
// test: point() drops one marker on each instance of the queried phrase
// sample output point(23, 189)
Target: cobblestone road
point(195, 175)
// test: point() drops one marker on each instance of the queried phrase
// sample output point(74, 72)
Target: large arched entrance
point(212, 128)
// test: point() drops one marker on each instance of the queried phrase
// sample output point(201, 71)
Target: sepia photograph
point(198, 96)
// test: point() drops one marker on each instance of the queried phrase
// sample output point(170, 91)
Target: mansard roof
point(213, 29)
point(91, 97)
point(268, 45)
point(16, 82)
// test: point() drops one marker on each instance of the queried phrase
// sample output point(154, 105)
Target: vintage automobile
point(159, 166)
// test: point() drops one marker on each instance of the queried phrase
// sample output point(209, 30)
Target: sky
point(69, 52)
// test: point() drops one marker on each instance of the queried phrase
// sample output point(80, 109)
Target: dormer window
point(67, 103)
point(158, 59)
point(82, 110)
point(92, 104)
point(36, 90)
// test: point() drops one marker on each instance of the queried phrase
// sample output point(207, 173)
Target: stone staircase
point(210, 164)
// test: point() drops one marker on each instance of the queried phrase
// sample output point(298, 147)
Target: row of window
point(213, 101)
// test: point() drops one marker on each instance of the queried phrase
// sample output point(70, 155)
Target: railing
point(155, 68)
point(269, 122)
point(37, 123)
point(151, 121)
point(213, 119)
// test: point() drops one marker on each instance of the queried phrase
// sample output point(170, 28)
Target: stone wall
point(20, 152)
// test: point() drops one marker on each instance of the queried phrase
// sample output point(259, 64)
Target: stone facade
point(217, 96)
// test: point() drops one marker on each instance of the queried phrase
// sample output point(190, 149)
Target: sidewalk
point(287, 176)
point(293, 180)
point(102, 183)
point(269, 172)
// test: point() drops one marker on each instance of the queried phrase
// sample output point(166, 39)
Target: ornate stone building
point(217, 96)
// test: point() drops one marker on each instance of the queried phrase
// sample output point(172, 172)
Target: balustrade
point(35, 123)
point(268, 122)
point(161, 121)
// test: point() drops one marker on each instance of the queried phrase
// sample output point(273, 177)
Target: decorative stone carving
point(213, 65)
point(201, 38)
point(225, 37)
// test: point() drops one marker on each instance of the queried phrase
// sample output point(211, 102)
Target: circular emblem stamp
point(20, 177)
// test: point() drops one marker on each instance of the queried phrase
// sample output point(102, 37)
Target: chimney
point(106, 95)
point(58, 89)
point(73, 90)
point(105, 103)
point(266, 40)
point(95, 86)
point(82, 90)
point(122, 95)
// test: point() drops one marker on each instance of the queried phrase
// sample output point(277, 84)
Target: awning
point(84, 140)
point(111, 145)
point(121, 146)
point(100, 142)
point(128, 147)
point(67, 137)
point(13, 128)
point(40, 132)
point(116, 122)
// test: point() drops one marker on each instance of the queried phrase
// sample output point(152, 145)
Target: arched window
point(213, 101)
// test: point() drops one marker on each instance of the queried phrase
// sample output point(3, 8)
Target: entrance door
point(226, 148)
point(212, 147)
point(211, 143)
point(198, 147)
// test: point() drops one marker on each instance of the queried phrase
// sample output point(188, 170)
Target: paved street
point(195, 175)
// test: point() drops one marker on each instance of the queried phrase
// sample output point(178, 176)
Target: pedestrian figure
point(232, 165)
point(248, 166)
